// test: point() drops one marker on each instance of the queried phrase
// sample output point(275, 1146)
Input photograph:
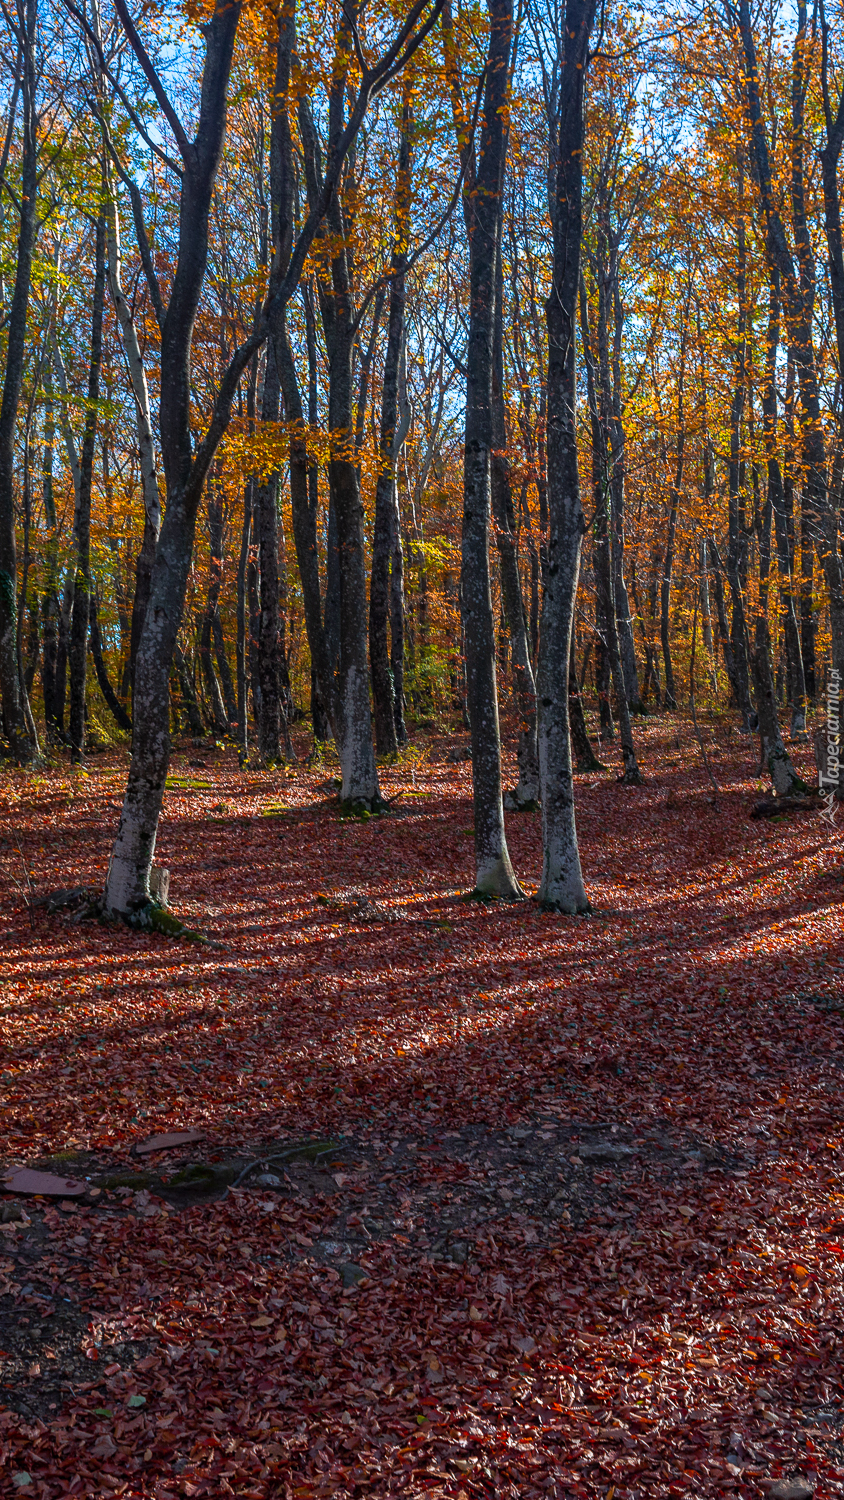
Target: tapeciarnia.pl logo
point(829, 777)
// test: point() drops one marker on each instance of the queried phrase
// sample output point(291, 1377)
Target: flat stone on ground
point(26, 1180)
point(164, 1142)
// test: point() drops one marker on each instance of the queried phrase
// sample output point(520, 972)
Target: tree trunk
point(115, 707)
point(669, 696)
point(776, 495)
point(386, 528)
point(80, 616)
point(397, 623)
point(562, 887)
point(243, 622)
point(626, 642)
point(10, 687)
point(797, 286)
point(208, 637)
point(494, 877)
point(604, 566)
point(587, 760)
point(723, 626)
point(127, 888)
point(188, 692)
point(224, 670)
point(785, 781)
point(525, 796)
point(266, 516)
point(143, 421)
point(808, 616)
point(304, 499)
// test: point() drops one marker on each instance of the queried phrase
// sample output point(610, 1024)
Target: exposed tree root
point(153, 917)
point(85, 904)
point(773, 807)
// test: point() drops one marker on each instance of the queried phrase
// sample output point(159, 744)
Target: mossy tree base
point(358, 809)
point(585, 766)
point(153, 917)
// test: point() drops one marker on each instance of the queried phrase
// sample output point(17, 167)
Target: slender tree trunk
point(494, 875)
point(188, 692)
point(50, 604)
point(397, 622)
point(10, 687)
point(386, 529)
point(603, 673)
point(127, 888)
point(670, 697)
point(797, 287)
point(721, 614)
point(562, 887)
point(266, 515)
point(525, 796)
point(808, 616)
point(586, 760)
point(143, 422)
point(626, 642)
point(112, 702)
point(243, 622)
point(304, 506)
point(208, 642)
point(350, 713)
point(776, 494)
point(80, 616)
point(830, 156)
point(24, 676)
point(784, 778)
point(604, 569)
point(224, 670)
point(736, 568)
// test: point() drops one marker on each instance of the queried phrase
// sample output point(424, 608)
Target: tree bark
point(784, 779)
point(604, 563)
point(243, 621)
point(736, 568)
point(143, 419)
point(830, 156)
point(351, 713)
point(587, 760)
point(494, 877)
point(776, 494)
point(10, 687)
point(115, 707)
point(626, 642)
point(185, 465)
point(525, 796)
point(562, 887)
point(80, 615)
point(797, 286)
point(386, 533)
point(50, 603)
point(266, 517)
point(127, 888)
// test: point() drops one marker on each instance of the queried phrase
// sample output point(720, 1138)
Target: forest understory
point(556, 1201)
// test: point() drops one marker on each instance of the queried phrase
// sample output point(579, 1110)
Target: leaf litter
point(557, 1208)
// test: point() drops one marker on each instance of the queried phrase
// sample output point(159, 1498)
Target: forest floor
point(562, 1209)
